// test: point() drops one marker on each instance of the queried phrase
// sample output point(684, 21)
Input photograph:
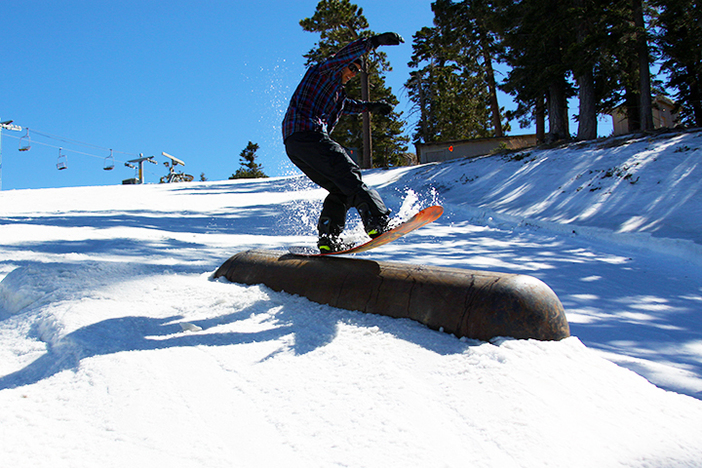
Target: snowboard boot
point(373, 225)
point(329, 244)
point(329, 237)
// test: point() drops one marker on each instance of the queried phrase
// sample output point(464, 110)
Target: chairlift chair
point(25, 142)
point(109, 162)
point(62, 162)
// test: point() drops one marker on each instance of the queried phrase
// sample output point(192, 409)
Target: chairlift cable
point(72, 150)
point(108, 161)
point(77, 142)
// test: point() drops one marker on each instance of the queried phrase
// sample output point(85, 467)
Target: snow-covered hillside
point(118, 349)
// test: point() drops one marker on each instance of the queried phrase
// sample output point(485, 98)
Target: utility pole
point(367, 160)
point(6, 125)
point(367, 137)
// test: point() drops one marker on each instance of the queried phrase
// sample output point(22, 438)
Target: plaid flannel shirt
point(320, 98)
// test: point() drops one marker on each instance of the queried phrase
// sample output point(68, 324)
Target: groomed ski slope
point(118, 349)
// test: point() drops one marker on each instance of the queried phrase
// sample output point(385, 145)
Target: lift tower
point(140, 161)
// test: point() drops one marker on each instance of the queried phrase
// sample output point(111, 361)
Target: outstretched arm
point(357, 48)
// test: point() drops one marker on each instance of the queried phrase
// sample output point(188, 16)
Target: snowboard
point(426, 216)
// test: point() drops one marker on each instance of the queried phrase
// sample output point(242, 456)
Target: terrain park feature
point(467, 303)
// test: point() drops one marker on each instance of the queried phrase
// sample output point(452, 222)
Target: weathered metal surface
point(475, 304)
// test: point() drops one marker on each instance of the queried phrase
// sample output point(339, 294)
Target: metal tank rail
point(474, 304)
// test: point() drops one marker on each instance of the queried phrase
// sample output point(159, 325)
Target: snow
point(117, 348)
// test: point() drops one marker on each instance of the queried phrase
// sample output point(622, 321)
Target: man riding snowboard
point(314, 109)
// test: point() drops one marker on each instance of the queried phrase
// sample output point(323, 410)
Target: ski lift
point(62, 162)
point(109, 162)
point(25, 142)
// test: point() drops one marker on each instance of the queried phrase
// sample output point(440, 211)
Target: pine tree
point(680, 42)
point(470, 26)
point(624, 59)
point(599, 28)
point(454, 88)
point(452, 101)
point(340, 22)
point(555, 48)
point(249, 169)
point(536, 35)
point(584, 62)
point(644, 63)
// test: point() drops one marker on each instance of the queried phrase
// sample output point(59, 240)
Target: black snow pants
point(328, 165)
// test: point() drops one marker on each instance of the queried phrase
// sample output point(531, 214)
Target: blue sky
point(196, 79)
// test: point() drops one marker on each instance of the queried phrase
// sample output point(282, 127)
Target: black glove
point(388, 38)
point(379, 107)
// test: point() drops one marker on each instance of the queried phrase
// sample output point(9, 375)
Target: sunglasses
point(354, 68)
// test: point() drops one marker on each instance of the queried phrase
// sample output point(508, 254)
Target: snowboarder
point(314, 109)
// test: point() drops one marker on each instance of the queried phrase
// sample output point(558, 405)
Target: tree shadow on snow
point(308, 325)
point(132, 333)
point(618, 299)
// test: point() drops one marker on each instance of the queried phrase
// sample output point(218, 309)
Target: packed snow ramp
point(474, 304)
